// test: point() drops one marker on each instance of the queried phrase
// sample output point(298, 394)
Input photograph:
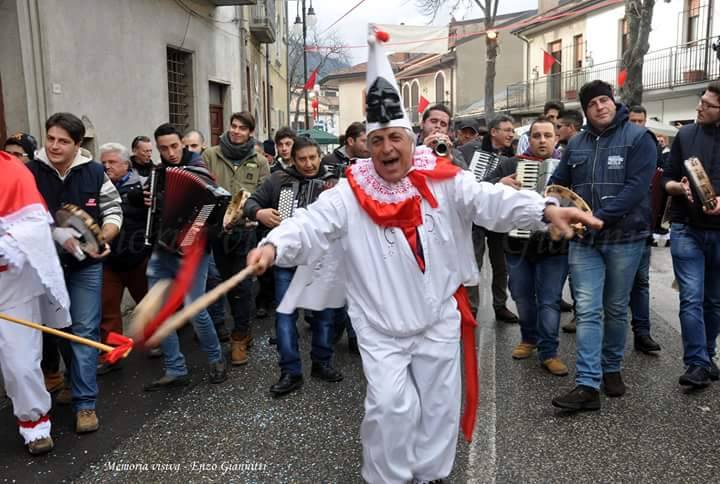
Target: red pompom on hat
point(382, 36)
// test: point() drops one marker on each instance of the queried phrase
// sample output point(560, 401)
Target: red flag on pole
point(548, 62)
point(423, 104)
point(310, 84)
point(622, 77)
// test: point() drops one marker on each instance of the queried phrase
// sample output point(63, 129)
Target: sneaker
point(714, 372)
point(613, 384)
point(40, 446)
point(695, 376)
point(580, 398)
point(54, 381)
point(325, 372)
point(555, 366)
point(570, 327)
point(286, 384)
point(504, 315)
point(167, 381)
point(645, 344)
point(239, 347)
point(86, 421)
point(64, 397)
point(218, 372)
point(523, 351)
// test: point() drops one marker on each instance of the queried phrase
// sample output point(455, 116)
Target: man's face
point(115, 166)
point(565, 130)
point(552, 114)
point(143, 151)
point(170, 147)
point(638, 118)
point(239, 133)
point(391, 150)
point(60, 147)
point(465, 135)
point(437, 122)
point(284, 148)
point(357, 147)
point(17, 152)
point(601, 112)
point(193, 143)
point(503, 135)
point(307, 161)
point(662, 140)
point(708, 109)
point(542, 139)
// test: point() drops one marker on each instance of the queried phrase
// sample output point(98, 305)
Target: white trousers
point(412, 406)
point(20, 355)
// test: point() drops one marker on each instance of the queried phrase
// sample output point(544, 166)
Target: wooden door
point(216, 124)
point(555, 78)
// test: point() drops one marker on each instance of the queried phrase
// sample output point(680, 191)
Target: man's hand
point(511, 181)
point(562, 218)
point(269, 217)
point(263, 256)
point(99, 255)
point(110, 231)
point(147, 198)
point(433, 139)
point(72, 246)
point(714, 211)
point(679, 189)
point(686, 187)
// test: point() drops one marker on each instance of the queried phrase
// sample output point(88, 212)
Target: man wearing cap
point(22, 146)
point(609, 165)
point(466, 131)
point(403, 221)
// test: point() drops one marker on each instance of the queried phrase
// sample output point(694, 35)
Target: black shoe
point(218, 371)
point(105, 368)
point(222, 333)
point(571, 326)
point(565, 307)
point(353, 346)
point(324, 371)
point(155, 352)
point(286, 384)
point(506, 316)
point(581, 398)
point(714, 372)
point(645, 344)
point(695, 376)
point(167, 381)
point(261, 313)
point(338, 331)
point(613, 384)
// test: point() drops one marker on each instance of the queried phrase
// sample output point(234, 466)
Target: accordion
point(192, 203)
point(533, 175)
point(298, 195)
point(483, 163)
point(700, 183)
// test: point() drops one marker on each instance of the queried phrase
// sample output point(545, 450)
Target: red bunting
point(548, 61)
point(423, 104)
point(310, 84)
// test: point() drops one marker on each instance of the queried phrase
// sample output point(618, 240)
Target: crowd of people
point(370, 185)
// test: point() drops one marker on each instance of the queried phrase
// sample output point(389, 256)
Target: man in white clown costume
point(403, 219)
point(32, 288)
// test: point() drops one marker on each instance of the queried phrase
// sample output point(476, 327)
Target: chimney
point(545, 5)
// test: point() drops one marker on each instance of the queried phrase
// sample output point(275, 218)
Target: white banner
point(418, 39)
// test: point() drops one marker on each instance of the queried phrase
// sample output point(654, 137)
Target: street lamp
point(309, 19)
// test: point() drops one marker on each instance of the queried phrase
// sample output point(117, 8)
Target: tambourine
point(91, 238)
point(701, 184)
point(568, 198)
point(234, 212)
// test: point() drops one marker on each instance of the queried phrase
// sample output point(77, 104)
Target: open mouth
point(391, 162)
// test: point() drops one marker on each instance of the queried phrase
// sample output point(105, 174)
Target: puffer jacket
point(128, 248)
point(612, 170)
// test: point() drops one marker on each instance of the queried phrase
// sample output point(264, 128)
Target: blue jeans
point(536, 287)
point(216, 309)
point(696, 262)
point(602, 278)
point(287, 334)
point(164, 265)
point(640, 296)
point(85, 289)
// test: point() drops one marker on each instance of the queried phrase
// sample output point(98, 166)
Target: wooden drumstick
point(179, 319)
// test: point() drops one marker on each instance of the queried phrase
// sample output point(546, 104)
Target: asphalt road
point(235, 432)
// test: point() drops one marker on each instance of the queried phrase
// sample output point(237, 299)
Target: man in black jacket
point(355, 147)
point(695, 236)
point(263, 207)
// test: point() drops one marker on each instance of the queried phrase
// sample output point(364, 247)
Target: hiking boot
point(218, 371)
point(555, 366)
point(40, 446)
point(506, 316)
point(645, 344)
point(613, 384)
point(570, 327)
point(286, 384)
point(523, 351)
point(238, 349)
point(64, 397)
point(325, 372)
point(695, 376)
point(86, 421)
point(54, 381)
point(167, 381)
point(580, 398)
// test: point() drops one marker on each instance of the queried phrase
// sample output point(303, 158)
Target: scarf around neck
point(236, 153)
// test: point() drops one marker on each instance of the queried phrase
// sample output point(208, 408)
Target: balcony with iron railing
point(262, 21)
point(670, 68)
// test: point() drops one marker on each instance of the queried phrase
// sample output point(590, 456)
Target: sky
point(353, 28)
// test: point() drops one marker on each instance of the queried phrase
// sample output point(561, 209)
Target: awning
point(320, 136)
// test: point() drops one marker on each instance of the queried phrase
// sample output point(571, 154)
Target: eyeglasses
point(706, 105)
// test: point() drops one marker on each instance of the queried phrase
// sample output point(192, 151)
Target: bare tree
point(321, 49)
point(638, 15)
point(489, 9)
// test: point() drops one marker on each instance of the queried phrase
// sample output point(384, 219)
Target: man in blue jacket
point(695, 236)
point(610, 165)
